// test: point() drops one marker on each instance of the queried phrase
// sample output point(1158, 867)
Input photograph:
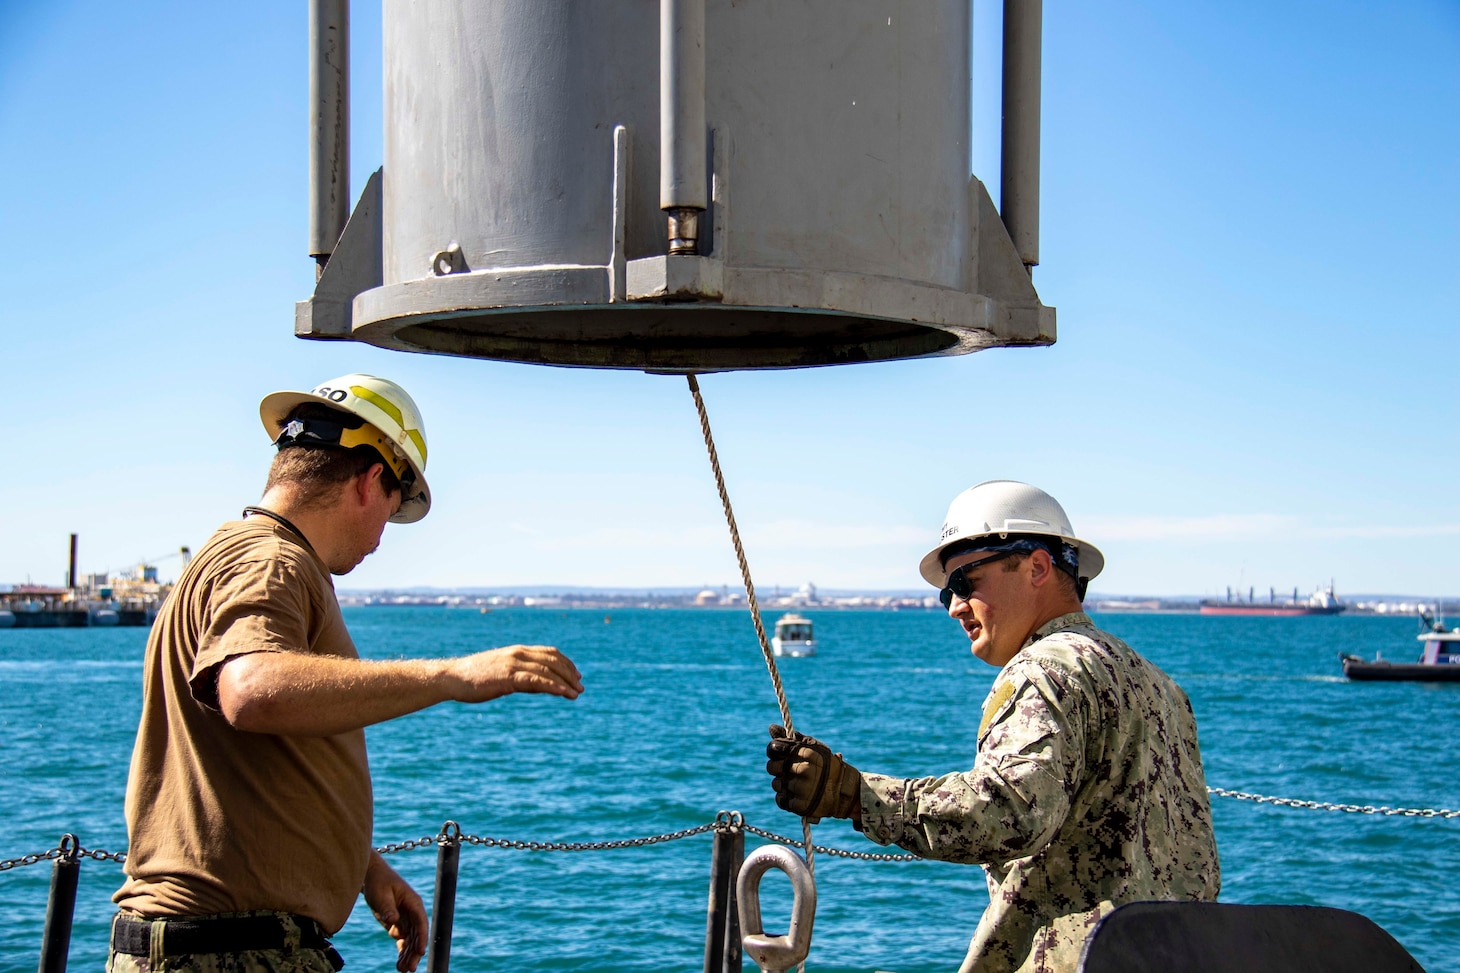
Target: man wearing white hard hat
point(249, 802)
point(1087, 789)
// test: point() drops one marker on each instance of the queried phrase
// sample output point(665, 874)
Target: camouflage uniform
point(1087, 792)
point(290, 959)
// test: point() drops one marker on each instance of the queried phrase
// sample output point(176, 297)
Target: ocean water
point(672, 729)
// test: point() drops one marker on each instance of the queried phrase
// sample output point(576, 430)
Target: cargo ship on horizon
point(1321, 602)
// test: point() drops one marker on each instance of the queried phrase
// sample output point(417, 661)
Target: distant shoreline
point(711, 599)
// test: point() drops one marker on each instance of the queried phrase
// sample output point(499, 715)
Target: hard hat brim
point(275, 408)
point(274, 412)
point(1092, 562)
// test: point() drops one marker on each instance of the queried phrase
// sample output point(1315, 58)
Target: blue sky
point(1250, 228)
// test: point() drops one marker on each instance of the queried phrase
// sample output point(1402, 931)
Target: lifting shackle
point(776, 954)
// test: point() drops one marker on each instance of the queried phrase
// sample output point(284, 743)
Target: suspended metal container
point(675, 185)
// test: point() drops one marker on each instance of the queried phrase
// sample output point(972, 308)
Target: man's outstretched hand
point(398, 908)
point(810, 780)
point(515, 669)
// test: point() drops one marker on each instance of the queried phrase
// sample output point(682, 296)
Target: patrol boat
point(794, 637)
point(1438, 662)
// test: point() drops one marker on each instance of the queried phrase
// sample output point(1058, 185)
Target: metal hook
point(776, 954)
point(450, 833)
point(69, 846)
point(448, 261)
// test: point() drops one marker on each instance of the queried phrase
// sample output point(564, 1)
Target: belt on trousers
point(224, 934)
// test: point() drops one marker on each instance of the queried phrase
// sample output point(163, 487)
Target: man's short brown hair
point(316, 471)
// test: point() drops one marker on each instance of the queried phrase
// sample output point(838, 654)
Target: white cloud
point(805, 534)
point(1184, 528)
point(1385, 532)
point(1247, 526)
point(780, 535)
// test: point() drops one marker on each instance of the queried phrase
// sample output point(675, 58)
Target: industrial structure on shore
point(128, 598)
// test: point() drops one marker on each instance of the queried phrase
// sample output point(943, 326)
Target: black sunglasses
point(958, 583)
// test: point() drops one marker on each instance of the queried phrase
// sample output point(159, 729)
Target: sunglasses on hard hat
point(323, 432)
point(958, 583)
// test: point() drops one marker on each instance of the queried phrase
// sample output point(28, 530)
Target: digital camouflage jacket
point(1087, 792)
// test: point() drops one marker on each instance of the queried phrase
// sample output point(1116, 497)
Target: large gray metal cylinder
point(841, 224)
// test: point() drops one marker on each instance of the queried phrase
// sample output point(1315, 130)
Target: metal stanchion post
point(722, 926)
point(61, 907)
point(732, 928)
point(443, 900)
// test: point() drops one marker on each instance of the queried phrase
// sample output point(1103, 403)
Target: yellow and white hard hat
point(994, 510)
point(392, 426)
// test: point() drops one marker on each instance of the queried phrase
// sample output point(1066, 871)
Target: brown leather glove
point(810, 780)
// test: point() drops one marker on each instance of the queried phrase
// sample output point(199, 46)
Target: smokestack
point(71, 574)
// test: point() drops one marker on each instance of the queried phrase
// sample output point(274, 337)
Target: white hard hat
point(998, 508)
point(393, 427)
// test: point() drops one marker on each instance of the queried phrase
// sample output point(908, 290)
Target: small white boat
point(793, 637)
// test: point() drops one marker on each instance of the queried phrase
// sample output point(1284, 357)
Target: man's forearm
point(963, 817)
point(293, 694)
point(398, 908)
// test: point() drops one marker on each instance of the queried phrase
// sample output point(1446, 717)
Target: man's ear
point(1041, 567)
point(367, 483)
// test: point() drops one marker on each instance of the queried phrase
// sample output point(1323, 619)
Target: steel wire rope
point(765, 645)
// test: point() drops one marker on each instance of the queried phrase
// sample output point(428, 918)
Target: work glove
point(810, 780)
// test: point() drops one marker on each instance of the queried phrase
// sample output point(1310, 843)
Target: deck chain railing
point(722, 942)
point(1403, 812)
point(69, 849)
point(730, 820)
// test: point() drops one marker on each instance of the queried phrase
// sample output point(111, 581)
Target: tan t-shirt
point(221, 820)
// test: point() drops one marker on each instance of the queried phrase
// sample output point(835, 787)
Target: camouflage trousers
point(290, 959)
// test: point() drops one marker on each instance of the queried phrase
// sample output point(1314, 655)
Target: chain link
point(517, 845)
point(9, 863)
point(428, 841)
point(866, 856)
point(1404, 812)
point(486, 841)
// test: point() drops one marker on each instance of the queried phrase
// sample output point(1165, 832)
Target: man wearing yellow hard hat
point(1087, 789)
point(249, 802)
